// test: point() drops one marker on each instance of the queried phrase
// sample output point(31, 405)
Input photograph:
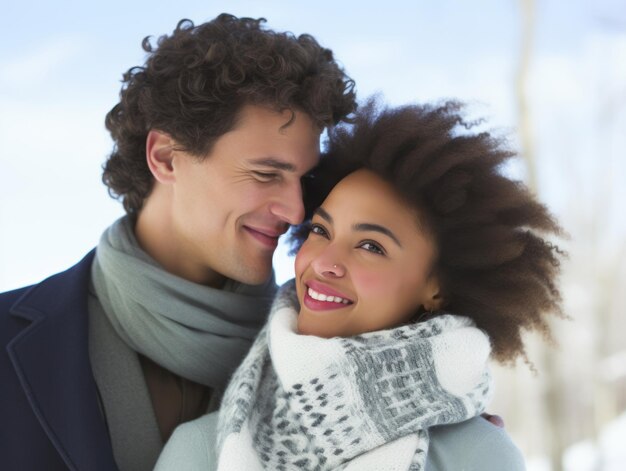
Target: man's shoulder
point(73, 280)
point(8, 298)
point(476, 444)
point(80, 268)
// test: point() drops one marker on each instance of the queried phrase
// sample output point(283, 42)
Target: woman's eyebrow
point(321, 212)
point(361, 227)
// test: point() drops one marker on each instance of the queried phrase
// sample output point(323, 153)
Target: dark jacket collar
point(51, 359)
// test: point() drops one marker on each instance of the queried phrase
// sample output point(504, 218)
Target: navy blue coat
point(50, 417)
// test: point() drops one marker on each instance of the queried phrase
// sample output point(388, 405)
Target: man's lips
point(319, 297)
point(267, 237)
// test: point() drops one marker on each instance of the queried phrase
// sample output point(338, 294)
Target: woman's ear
point(433, 299)
point(159, 155)
point(434, 304)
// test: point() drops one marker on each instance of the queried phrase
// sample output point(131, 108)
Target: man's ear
point(159, 155)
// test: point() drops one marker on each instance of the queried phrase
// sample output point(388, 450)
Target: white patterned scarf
point(195, 331)
point(358, 403)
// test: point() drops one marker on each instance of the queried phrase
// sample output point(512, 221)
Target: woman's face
point(366, 263)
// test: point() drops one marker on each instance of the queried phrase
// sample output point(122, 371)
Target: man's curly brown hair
point(195, 82)
point(494, 262)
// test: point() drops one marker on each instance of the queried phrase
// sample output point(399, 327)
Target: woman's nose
point(329, 267)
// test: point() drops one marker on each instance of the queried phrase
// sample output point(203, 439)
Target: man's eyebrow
point(361, 227)
point(364, 226)
point(274, 163)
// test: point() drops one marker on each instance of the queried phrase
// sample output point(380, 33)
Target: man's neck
point(155, 235)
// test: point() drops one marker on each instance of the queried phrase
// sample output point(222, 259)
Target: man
point(212, 137)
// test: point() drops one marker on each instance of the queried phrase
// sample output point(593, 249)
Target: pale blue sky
point(61, 64)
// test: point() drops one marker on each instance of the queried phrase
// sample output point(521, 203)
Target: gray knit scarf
point(197, 332)
point(359, 403)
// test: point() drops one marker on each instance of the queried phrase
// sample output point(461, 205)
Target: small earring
point(334, 266)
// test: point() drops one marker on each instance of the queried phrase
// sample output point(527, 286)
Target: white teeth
point(328, 299)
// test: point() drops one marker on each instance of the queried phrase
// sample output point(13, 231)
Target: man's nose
point(288, 205)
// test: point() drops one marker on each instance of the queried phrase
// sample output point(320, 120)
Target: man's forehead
point(285, 116)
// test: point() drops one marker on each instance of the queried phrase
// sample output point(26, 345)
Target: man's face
point(229, 209)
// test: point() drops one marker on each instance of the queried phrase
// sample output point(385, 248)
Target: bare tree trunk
point(552, 423)
point(525, 127)
point(606, 276)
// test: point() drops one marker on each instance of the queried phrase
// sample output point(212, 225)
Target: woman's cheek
point(372, 283)
point(302, 260)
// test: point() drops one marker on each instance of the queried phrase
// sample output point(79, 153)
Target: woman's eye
point(372, 247)
point(319, 230)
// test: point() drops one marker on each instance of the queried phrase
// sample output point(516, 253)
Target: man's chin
point(256, 276)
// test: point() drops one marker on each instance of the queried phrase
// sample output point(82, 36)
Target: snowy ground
point(608, 455)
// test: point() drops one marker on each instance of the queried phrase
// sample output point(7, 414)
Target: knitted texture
point(198, 332)
point(364, 402)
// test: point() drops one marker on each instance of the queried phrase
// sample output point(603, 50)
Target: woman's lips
point(319, 297)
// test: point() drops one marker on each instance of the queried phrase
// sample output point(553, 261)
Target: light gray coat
point(473, 445)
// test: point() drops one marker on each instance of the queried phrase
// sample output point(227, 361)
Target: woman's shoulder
point(475, 444)
point(191, 446)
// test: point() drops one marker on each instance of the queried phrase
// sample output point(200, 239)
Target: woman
point(422, 260)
